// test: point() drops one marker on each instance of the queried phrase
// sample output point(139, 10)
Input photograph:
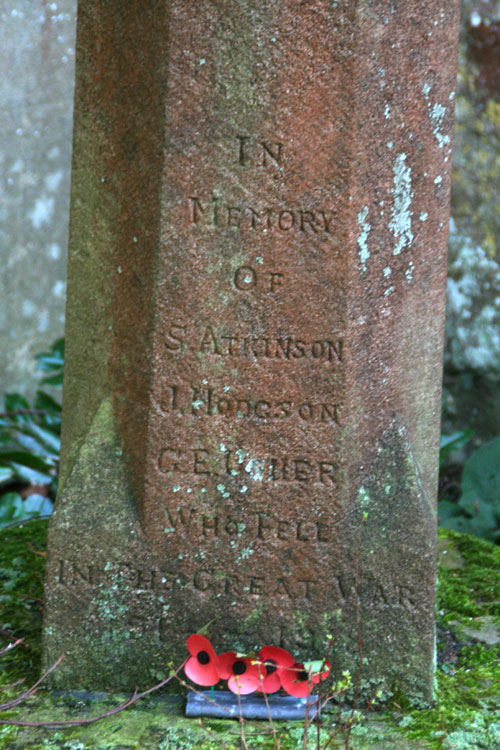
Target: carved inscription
point(71, 573)
point(210, 340)
point(217, 213)
point(284, 634)
point(232, 468)
point(220, 581)
point(132, 579)
point(247, 278)
point(259, 153)
point(207, 402)
point(91, 576)
point(239, 462)
point(254, 525)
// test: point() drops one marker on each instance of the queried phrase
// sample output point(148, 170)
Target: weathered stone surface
point(255, 322)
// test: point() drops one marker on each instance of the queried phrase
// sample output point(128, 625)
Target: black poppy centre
point(239, 667)
point(203, 657)
point(271, 666)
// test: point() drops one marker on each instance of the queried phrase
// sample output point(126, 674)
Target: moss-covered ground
point(466, 715)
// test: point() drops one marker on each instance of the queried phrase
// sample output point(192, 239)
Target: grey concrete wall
point(36, 95)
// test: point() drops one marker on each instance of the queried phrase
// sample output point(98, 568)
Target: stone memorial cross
point(254, 335)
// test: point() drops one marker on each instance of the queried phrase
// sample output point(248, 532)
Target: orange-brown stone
point(255, 322)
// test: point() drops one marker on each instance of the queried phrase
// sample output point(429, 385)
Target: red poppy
point(299, 679)
point(203, 666)
point(241, 673)
point(271, 660)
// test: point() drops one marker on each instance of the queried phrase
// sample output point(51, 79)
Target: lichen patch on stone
point(364, 253)
point(400, 224)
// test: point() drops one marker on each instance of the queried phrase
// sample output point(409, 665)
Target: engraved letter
point(197, 210)
point(266, 151)
point(175, 335)
point(245, 278)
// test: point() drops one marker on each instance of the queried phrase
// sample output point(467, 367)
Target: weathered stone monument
point(254, 336)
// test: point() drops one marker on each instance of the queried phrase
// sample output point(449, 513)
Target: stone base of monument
point(223, 704)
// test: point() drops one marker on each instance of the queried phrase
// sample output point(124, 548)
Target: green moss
point(467, 591)
point(22, 567)
point(466, 715)
point(468, 676)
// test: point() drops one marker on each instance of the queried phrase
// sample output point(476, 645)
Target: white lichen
point(255, 468)
point(364, 253)
point(409, 272)
point(400, 224)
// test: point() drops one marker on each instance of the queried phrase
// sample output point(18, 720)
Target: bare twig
point(21, 412)
point(11, 685)
point(81, 722)
point(25, 520)
point(209, 731)
point(358, 628)
point(20, 698)
point(320, 706)
point(10, 646)
point(306, 726)
point(277, 743)
point(202, 695)
point(242, 724)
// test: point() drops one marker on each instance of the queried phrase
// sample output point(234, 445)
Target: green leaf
point(5, 437)
point(204, 630)
point(53, 359)
point(12, 403)
point(45, 402)
point(54, 380)
point(27, 444)
point(481, 472)
point(479, 503)
point(11, 507)
point(6, 474)
point(38, 505)
point(447, 509)
point(452, 442)
point(471, 526)
point(314, 666)
point(46, 437)
point(25, 459)
point(31, 475)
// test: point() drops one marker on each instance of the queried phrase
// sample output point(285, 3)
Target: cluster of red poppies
point(268, 671)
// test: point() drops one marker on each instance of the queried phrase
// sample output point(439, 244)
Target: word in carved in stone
point(218, 214)
point(203, 461)
point(247, 278)
point(210, 341)
point(259, 153)
point(254, 525)
point(206, 401)
point(220, 581)
point(71, 573)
